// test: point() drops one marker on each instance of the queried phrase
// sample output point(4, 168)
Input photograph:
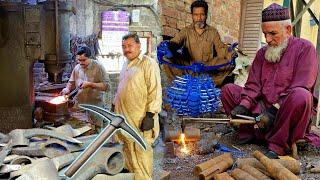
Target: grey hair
point(286, 22)
point(133, 36)
point(283, 23)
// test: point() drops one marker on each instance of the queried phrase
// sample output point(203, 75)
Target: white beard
point(273, 54)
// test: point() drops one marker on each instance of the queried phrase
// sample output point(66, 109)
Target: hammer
point(117, 122)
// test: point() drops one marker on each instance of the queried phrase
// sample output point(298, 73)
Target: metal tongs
point(72, 93)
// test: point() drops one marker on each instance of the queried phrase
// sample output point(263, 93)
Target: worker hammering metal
point(283, 74)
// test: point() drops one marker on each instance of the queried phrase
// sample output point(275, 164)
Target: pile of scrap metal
point(40, 153)
point(259, 167)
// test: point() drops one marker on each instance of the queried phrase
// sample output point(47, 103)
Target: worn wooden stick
point(222, 176)
point(254, 172)
point(207, 164)
point(275, 169)
point(239, 174)
point(216, 169)
point(292, 165)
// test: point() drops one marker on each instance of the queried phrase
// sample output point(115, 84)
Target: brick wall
point(223, 14)
point(226, 18)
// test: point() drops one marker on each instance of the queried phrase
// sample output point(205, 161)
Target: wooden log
point(239, 174)
point(293, 165)
point(255, 172)
point(205, 165)
point(275, 169)
point(223, 176)
point(216, 169)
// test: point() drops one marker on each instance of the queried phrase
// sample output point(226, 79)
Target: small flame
point(184, 148)
point(58, 100)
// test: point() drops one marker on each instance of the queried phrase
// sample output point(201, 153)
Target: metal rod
point(245, 117)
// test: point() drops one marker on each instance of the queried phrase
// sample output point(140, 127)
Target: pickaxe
point(116, 122)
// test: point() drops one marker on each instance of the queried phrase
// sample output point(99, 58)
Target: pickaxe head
point(116, 120)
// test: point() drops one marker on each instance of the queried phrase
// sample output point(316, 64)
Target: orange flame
point(184, 148)
point(58, 100)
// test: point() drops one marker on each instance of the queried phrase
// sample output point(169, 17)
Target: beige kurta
point(139, 91)
point(96, 73)
point(206, 48)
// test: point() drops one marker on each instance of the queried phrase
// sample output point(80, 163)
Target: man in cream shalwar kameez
point(139, 99)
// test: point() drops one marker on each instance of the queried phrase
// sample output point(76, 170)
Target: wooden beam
point(311, 13)
point(297, 27)
point(299, 16)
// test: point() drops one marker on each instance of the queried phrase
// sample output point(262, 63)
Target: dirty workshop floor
point(181, 166)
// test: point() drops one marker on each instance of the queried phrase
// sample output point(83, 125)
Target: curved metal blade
point(103, 113)
point(134, 134)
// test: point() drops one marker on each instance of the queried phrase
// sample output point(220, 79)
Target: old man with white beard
point(280, 87)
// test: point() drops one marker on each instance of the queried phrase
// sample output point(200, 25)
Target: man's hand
point(64, 91)
point(163, 49)
point(267, 118)
point(86, 84)
point(240, 109)
point(147, 122)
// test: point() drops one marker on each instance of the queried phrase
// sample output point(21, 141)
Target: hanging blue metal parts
point(163, 50)
point(192, 96)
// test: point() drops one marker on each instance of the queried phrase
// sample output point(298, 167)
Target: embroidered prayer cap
point(275, 12)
